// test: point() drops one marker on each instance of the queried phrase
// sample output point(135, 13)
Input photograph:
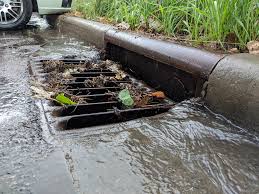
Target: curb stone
point(233, 89)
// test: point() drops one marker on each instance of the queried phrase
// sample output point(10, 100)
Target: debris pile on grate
point(87, 94)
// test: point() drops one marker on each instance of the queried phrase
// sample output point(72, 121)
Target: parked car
point(17, 13)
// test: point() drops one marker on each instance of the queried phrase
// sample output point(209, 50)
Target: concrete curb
point(178, 70)
point(233, 86)
point(89, 31)
point(233, 89)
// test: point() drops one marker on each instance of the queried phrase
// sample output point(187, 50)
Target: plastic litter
point(126, 98)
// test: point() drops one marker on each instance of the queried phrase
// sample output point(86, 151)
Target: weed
point(231, 21)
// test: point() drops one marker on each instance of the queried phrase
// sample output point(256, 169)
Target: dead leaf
point(159, 94)
point(120, 75)
point(234, 50)
point(123, 26)
point(253, 47)
point(41, 93)
point(142, 101)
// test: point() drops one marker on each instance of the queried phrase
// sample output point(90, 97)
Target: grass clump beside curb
point(221, 21)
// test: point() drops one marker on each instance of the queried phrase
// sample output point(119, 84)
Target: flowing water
point(187, 150)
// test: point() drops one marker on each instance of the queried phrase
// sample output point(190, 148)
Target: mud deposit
point(187, 150)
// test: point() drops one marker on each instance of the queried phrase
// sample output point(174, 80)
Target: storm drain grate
point(97, 104)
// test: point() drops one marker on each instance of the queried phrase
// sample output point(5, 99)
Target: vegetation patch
point(226, 24)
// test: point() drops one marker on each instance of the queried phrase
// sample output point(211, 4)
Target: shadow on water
point(187, 150)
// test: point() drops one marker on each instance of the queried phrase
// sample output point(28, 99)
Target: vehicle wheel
point(14, 13)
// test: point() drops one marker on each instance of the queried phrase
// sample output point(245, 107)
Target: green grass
point(232, 21)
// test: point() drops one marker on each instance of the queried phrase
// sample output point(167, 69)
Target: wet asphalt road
point(187, 150)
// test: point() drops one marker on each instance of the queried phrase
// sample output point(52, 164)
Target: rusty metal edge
point(197, 62)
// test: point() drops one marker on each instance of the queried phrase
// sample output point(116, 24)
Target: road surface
point(187, 150)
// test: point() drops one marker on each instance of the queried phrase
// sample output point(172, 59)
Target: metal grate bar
point(97, 105)
point(92, 74)
point(115, 116)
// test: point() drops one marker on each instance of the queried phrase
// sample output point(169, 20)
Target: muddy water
point(187, 150)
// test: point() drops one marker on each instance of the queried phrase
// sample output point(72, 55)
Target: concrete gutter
point(182, 72)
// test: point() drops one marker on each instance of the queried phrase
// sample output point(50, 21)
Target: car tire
point(21, 20)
